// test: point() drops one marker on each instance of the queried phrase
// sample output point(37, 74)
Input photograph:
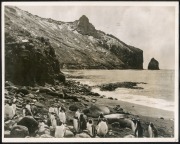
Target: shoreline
point(152, 112)
point(137, 109)
point(81, 96)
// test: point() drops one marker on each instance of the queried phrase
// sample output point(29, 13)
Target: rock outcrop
point(85, 27)
point(29, 60)
point(77, 45)
point(153, 64)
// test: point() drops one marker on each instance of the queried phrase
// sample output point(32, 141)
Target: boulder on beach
point(68, 134)
point(44, 90)
point(129, 136)
point(9, 124)
point(114, 117)
point(73, 107)
point(7, 133)
point(153, 64)
point(125, 122)
point(115, 125)
point(46, 136)
point(82, 135)
point(30, 123)
point(19, 131)
point(95, 110)
point(38, 104)
point(23, 90)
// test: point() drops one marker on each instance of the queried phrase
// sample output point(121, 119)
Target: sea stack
point(153, 64)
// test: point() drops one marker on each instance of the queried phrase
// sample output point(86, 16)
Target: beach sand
point(163, 120)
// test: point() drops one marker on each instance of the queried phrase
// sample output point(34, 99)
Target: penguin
point(152, 131)
point(9, 111)
point(76, 124)
point(82, 122)
point(14, 107)
point(91, 128)
point(60, 130)
point(42, 127)
point(51, 109)
point(133, 125)
point(77, 113)
point(56, 110)
point(101, 116)
point(53, 120)
point(102, 128)
point(62, 116)
point(34, 109)
point(14, 99)
point(28, 107)
point(139, 129)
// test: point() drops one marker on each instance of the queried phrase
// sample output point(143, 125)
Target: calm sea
point(157, 93)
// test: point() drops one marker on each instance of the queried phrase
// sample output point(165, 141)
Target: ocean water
point(157, 93)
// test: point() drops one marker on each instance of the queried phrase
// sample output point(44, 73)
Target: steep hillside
point(77, 44)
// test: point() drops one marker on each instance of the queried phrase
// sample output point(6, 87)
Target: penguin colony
point(81, 124)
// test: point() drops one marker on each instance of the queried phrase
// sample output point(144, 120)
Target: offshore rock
point(153, 64)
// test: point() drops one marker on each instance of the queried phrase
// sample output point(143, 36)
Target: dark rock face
point(153, 64)
point(30, 62)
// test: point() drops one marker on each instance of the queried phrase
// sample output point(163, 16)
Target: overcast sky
point(151, 28)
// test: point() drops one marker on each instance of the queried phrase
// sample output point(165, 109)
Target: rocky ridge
point(77, 44)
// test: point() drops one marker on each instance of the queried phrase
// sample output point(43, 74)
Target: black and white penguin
point(139, 129)
point(100, 118)
point(9, 111)
point(51, 109)
point(56, 110)
point(82, 122)
point(91, 128)
point(53, 120)
point(34, 109)
point(102, 128)
point(42, 127)
point(152, 131)
point(60, 130)
point(62, 116)
point(76, 124)
point(77, 114)
point(133, 124)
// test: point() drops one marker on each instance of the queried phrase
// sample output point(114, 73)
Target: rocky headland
point(77, 44)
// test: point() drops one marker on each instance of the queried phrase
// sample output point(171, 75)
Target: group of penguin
point(138, 130)
point(57, 120)
point(80, 123)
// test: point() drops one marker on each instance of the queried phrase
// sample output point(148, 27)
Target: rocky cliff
point(76, 44)
point(153, 64)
